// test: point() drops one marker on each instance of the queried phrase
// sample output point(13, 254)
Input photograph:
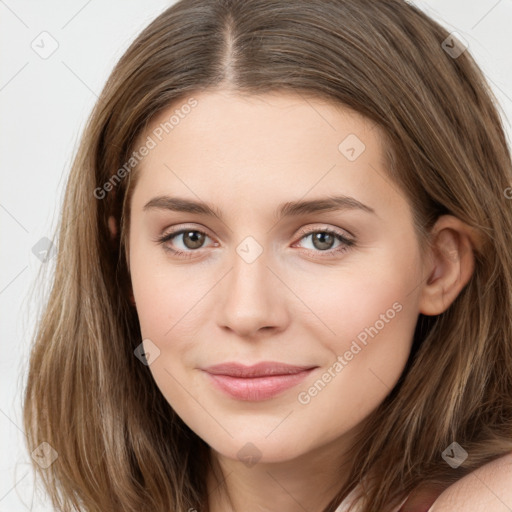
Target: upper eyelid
point(180, 231)
point(339, 231)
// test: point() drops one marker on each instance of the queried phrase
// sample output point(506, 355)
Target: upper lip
point(264, 368)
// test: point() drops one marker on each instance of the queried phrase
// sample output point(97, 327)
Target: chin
point(257, 450)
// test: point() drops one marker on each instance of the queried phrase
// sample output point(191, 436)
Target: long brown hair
point(120, 445)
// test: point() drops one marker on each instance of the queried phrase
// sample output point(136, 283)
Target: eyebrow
point(288, 209)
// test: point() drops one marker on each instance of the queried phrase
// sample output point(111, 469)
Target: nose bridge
point(248, 282)
point(250, 299)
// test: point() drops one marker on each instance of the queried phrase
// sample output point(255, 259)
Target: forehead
point(274, 119)
point(252, 149)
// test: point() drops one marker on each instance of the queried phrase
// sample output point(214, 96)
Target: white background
point(44, 104)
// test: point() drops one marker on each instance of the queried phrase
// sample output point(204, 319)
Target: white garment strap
point(343, 506)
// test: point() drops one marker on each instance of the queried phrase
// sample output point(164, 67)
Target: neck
point(308, 482)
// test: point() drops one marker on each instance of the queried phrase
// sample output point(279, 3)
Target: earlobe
point(112, 226)
point(450, 265)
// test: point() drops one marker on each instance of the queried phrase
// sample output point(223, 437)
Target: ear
point(450, 263)
point(112, 226)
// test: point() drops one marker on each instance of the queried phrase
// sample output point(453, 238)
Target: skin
point(485, 489)
point(296, 303)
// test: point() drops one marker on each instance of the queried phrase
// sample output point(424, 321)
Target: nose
point(252, 299)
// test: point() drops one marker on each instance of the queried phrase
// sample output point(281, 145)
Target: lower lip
point(257, 388)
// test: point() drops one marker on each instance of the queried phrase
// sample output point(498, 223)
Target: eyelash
point(347, 243)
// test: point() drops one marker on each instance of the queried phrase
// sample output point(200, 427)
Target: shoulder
point(488, 488)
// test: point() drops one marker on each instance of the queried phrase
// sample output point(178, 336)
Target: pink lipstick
point(261, 381)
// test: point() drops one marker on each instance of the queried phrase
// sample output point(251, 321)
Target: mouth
point(258, 382)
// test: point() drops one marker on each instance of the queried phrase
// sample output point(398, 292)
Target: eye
point(193, 239)
point(323, 240)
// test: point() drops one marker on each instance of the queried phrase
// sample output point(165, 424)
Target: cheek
point(374, 326)
point(170, 307)
point(371, 314)
point(373, 298)
point(157, 287)
point(168, 313)
point(165, 301)
point(153, 298)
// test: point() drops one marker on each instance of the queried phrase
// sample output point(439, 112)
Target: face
point(333, 291)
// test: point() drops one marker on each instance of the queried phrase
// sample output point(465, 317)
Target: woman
point(283, 278)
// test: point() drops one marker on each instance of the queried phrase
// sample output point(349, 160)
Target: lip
point(261, 381)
